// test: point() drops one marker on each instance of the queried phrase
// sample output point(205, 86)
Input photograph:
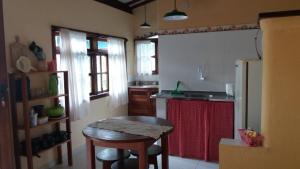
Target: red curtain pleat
point(220, 125)
point(199, 127)
point(173, 115)
point(192, 131)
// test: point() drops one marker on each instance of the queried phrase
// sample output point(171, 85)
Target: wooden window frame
point(92, 52)
point(156, 71)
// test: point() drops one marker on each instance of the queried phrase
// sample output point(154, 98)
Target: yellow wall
point(32, 20)
point(280, 102)
point(204, 13)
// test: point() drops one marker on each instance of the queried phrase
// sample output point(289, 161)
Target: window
point(147, 56)
point(97, 51)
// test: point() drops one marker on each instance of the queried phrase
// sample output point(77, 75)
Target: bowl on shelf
point(42, 120)
point(55, 112)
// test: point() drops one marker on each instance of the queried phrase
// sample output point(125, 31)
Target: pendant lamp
point(175, 15)
point(145, 25)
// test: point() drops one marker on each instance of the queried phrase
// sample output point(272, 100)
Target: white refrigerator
point(248, 82)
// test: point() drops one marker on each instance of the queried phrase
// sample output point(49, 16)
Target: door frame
point(7, 159)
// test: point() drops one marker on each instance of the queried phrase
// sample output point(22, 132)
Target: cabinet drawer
point(138, 98)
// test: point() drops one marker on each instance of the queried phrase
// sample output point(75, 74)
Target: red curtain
point(199, 127)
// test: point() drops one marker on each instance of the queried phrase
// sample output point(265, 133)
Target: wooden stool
point(153, 151)
point(131, 163)
point(110, 155)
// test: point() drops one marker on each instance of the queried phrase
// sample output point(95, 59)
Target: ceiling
point(125, 5)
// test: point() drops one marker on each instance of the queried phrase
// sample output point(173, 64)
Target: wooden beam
point(141, 4)
point(116, 4)
point(278, 14)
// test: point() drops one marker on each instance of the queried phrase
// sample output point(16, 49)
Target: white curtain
point(74, 59)
point(144, 51)
point(117, 73)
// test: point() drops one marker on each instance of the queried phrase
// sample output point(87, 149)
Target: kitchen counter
point(195, 95)
point(143, 86)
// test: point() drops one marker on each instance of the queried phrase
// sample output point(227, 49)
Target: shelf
point(56, 145)
point(39, 72)
point(45, 98)
point(54, 121)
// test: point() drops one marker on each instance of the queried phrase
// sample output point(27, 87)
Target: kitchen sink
point(196, 95)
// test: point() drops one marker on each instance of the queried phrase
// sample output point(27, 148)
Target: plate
point(24, 64)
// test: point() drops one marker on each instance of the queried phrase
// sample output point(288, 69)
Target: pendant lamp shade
point(175, 15)
point(145, 25)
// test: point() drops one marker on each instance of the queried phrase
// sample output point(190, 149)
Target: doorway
point(6, 135)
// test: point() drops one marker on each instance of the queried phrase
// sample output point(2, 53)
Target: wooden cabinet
point(140, 103)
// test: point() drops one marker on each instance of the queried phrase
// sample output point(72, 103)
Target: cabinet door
point(140, 103)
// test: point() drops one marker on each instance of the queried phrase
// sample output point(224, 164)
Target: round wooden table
point(114, 139)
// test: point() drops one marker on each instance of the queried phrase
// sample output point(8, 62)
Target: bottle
point(33, 118)
point(53, 85)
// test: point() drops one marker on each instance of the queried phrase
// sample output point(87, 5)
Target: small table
point(114, 139)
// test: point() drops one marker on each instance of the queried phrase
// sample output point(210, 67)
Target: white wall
point(181, 55)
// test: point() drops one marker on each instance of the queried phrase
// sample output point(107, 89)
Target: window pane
point(99, 83)
point(90, 64)
point(98, 61)
point(104, 82)
point(90, 86)
point(153, 63)
point(152, 49)
point(88, 44)
point(104, 63)
point(102, 45)
point(57, 41)
point(58, 62)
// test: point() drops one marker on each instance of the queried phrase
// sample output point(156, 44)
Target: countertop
point(143, 86)
point(196, 95)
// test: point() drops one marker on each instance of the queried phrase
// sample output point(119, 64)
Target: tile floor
point(175, 163)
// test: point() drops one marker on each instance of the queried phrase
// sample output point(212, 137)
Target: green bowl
point(55, 111)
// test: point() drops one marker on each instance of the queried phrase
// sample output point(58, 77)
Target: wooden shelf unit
point(45, 98)
point(26, 119)
point(50, 122)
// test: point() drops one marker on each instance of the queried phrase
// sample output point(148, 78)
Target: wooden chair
point(110, 155)
point(153, 152)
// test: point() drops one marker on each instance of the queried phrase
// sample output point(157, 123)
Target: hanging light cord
point(256, 45)
point(175, 5)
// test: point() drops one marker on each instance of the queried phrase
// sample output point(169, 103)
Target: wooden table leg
point(90, 150)
point(143, 156)
point(165, 152)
